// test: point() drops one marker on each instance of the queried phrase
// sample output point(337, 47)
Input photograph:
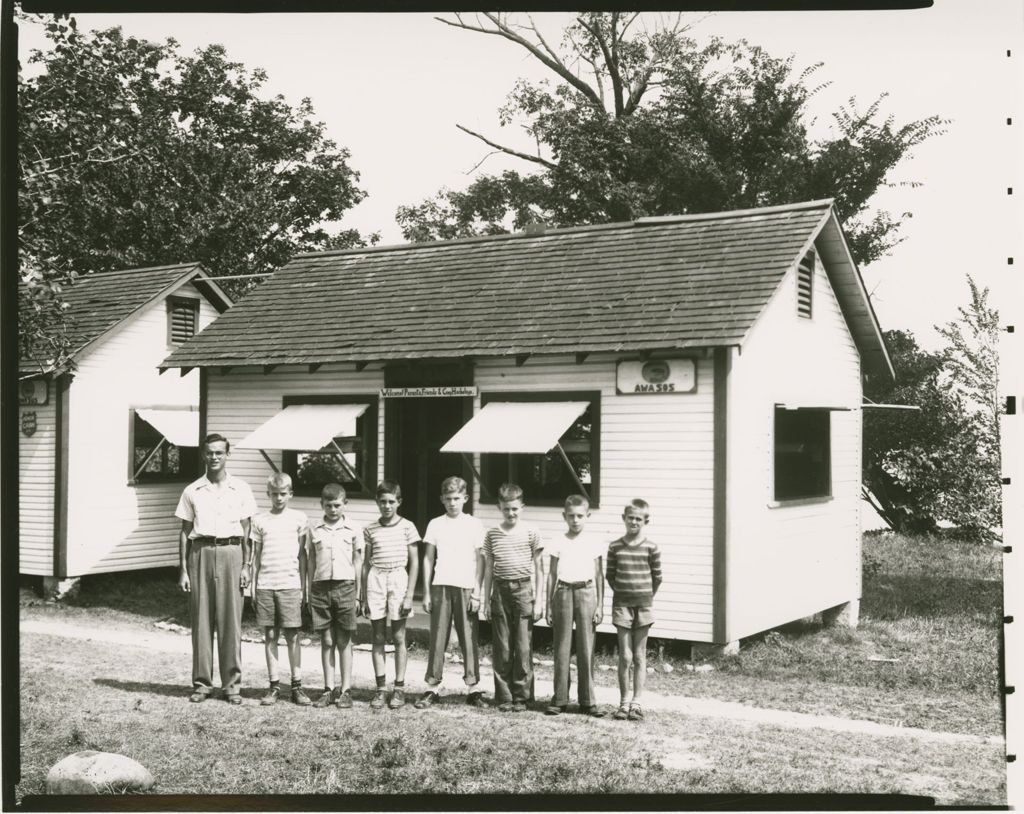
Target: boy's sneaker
point(593, 711)
point(518, 706)
point(621, 714)
point(429, 698)
point(476, 699)
point(299, 697)
point(379, 700)
point(636, 712)
point(344, 700)
point(270, 696)
point(397, 698)
point(324, 700)
point(506, 707)
point(554, 709)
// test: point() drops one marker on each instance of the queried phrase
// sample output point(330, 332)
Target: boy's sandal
point(636, 712)
point(427, 699)
point(621, 714)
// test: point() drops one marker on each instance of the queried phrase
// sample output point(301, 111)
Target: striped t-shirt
point(279, 558)
point(634, 572)
point(512, 551)
point(390, 543)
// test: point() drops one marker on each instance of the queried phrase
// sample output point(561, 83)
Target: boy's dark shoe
point(198, 697)
point(554, 709)
point(324, 700)
point(270, 696)
point(428, 698)
point(621, 714)
point(344, 700)
point(636, 712)
point(506, 707)
point(299, 697)
point(518, 706)
point(594, 711)
point(476, 699)
point(379, 700)
point(397, 699)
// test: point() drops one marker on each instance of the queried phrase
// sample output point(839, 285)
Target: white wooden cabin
point(715, 362)
point(107, 444)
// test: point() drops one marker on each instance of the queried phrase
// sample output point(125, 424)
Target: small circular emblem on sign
point(655, 372)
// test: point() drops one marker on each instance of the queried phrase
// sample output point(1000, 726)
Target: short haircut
point(389, 487)
point(281, 480)
point(332, 491)
point(508, 492)
point(639, 505)
point(214, 437)
point(573, 501)
point(454, 484)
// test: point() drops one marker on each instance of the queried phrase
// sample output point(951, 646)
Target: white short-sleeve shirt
point(457, 540)
point(576, 555)
point(216, 510)
point(279, 534)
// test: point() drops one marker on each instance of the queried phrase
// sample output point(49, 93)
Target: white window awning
point(516, 427)
point(305, 427)
point(179, 427)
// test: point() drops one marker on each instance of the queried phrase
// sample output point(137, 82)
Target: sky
point(392, 87)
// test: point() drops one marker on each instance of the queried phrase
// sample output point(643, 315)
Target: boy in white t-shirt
point(575, 595)
point(279, 540)
point(453, 567)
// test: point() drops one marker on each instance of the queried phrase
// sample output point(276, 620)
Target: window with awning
point(164, 444)
point(548, 443)
point(322, 439)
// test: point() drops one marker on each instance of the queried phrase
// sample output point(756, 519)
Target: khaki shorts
point(632, 618)
point(333, 603)
point(279, 607)
point(385, 591)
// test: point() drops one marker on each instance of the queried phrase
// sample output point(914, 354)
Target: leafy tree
point(922, 467)
point(132, 153)
point(644, 123)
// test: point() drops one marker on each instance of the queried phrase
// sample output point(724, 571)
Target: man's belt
point(585, 584)
point(218, 540)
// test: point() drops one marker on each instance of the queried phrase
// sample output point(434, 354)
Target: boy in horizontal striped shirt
point(512, 566)
point(392, 546)
point(634, 574)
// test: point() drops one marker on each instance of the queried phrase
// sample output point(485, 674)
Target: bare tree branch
point(609, 59)
point(112, 160)
point(508, 150)
point(476, 166)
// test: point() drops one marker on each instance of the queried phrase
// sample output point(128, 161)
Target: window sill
point(799, 501)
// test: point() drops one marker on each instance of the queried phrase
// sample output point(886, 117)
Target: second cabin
point(710, 364)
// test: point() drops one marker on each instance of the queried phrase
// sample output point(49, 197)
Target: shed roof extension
point(653, 284)
point(99, 302)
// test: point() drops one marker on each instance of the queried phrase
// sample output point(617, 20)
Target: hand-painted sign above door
point(656, 376)
point(426, 392)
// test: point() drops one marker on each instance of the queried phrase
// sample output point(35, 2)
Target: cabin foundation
point(845, 615)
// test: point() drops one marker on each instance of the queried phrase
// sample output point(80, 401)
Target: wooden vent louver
point(805, 285)
point(183, 315)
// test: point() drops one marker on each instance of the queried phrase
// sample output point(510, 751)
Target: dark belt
point(574, 585)
point(218, 540)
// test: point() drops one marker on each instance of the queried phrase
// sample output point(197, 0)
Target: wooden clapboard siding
point(36, 480)
point(657, 447)
point(241, 400)
point(112, 525)
point(785, 562)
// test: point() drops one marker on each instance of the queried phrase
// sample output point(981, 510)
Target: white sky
point(391, 88)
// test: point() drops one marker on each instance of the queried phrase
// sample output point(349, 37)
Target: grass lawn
point(931, 604)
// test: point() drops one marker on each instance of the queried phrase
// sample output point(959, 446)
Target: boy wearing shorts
point(453, 568)
point(279, 540)
point(634, 574)
point(575, 596)
point(513, 599)
point(336, 553)
point(390, 570)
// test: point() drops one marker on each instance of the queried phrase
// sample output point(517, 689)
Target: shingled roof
point(99, 302)
point(654, 283)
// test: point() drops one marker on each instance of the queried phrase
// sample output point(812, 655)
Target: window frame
point(489, 462)
point(289, 457)
point(173, 303)
point(148, 478)
point(797, 500)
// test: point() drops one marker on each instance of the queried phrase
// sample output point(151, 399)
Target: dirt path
point(254, 665)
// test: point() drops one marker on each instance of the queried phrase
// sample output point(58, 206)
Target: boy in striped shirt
point(392, 546)
point(634, 574)
point(512, 565)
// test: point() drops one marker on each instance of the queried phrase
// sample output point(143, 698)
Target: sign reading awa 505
point(656, 376)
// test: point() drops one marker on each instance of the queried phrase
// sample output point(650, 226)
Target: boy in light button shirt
point(575, 595)
point(453, 570)
point(336, 562)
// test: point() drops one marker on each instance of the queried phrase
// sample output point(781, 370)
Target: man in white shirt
point(215, 567)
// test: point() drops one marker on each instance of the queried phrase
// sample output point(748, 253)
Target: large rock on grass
point(92, 772)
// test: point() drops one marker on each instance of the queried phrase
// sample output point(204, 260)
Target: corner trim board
point(720, 535)
point(60, 492)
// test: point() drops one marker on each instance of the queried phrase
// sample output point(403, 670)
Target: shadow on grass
point(889, 596)
point(148, 687)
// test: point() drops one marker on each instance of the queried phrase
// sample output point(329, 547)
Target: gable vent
point(181, 318)
point(805, 285)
